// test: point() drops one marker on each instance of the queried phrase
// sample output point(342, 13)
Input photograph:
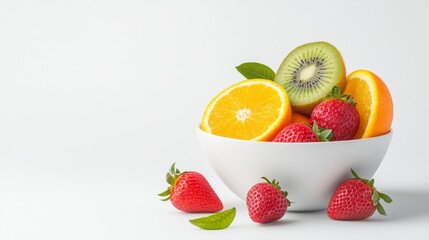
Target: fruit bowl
point(310, 172)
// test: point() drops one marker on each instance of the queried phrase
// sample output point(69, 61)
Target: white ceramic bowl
point(310, 172)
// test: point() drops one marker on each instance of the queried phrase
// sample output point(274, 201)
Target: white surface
point(98, 98)
point(310, 172)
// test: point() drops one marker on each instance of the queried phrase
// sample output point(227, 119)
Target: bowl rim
point(386, 135)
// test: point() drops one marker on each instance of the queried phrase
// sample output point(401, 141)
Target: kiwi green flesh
point(309, 72)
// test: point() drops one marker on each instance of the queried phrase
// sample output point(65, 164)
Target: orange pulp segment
point(255, 109)
point(299, 118)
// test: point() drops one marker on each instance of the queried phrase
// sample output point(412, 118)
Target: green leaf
point(380, 209)
point(352, 101)
point(354, 173)
point(165, 193)
point(215, 221)
point(170, 179)
point(386, 198)
point(336, 92)
point(375, 198)
point(251, 70)
point(325, 135)
point(266, 179)
point(173, 170)
point(166, 199)
point(371, 182)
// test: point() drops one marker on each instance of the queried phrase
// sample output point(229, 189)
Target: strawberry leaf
point(172, 175)
point(266, 179)
point(351, 101)
point(215, 221)
point(165, 194)
point(336, 94)
point(173, 168)
point(380, 209)
point(354, 173)
point(385, 198)
point(375, 198)
point(371, 182)
point(252, 70)
point(287, 201)
point(323, 134)
point(170, 179)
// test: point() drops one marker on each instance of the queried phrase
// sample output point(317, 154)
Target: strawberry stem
point(323, 134)
point(171, 177)
point(336, 93)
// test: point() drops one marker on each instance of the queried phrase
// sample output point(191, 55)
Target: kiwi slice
point(309, 73)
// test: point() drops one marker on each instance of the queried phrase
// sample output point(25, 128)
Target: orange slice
point(374, 103)
point(254, 109)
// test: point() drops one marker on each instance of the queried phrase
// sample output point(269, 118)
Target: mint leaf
point(251, 70)
point(215, 221)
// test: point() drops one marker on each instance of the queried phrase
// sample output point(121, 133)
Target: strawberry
point(190, 192)
point(356, 199)
point(338, 113)
point(266, 202)
point(300, 132)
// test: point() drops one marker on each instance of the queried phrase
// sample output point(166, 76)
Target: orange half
point(374, 103)
point(255, 109)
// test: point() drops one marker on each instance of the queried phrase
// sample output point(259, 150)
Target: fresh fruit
point(190, 192)
point(253, 109)
point(375, 105)
point(254, 70)
point(300, 132)
point(299, 118)
point(356, 199)
point(266, 202)
point(338, 113)
point(308, 74)
point(217, 221)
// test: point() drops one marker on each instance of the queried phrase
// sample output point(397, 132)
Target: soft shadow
point(309, 212)
point(406, 204)
point(281, 222)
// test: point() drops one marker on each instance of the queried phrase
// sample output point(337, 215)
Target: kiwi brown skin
point(306, 109)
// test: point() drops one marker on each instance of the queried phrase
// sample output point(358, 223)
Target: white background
point(98, 98)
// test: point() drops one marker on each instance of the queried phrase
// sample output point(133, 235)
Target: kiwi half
point(309, 73)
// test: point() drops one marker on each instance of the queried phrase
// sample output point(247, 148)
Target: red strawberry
point(190, 192)
point(266, 202)
point(300, 132)
point(338, 113)
point(356, 199)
